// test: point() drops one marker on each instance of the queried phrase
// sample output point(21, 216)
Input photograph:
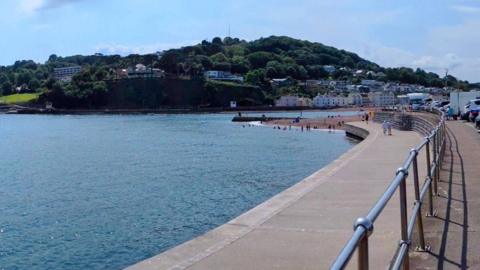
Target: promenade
point(454, 234)
point(307, 225)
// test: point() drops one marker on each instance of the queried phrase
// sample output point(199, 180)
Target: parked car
point(477, 121)
point(473, 108)
point(465, 115)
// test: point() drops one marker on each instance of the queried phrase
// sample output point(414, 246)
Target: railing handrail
point(363, 227)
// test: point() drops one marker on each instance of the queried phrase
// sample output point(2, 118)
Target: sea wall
point(356, 132)
point(420, 122)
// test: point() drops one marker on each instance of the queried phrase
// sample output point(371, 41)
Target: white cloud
point(112, 48)
point(466, 9)
point(385, 55)
point(30, 7)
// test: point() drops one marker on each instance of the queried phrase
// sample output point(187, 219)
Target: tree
point(3, 79)
point(52, 58)
point(240, 65)
point(260, 59)
point(6, 88)
point(24, 77)
point(34, 84)
point(217, 41)
point(218, 58)
point(255, 77)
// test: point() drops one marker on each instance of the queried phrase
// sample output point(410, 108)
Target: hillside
point(257, 61)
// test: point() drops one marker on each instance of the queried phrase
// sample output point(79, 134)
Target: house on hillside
point(222, 76)
point(382, 98)
point(329, 69)
point(65, 74)
point(141, 71)
point(275, 83)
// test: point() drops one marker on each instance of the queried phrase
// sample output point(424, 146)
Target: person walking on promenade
point(389, 127)
point(366, 118)
point(449, 113)
point(384, 127)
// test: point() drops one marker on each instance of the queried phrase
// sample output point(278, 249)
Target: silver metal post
point(404, 219)
point(416, 185)
point(429, 175)
point(363, 253)
point(434, 180)
point(439, 135)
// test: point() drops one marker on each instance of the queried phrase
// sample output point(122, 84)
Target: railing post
point(362, 249)
point(429, 175)
point(439, 137)
point(363, 253)
point(416, 185)
point(404, 214)
point(434, 180)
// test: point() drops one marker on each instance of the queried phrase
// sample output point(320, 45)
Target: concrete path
point(454, 234)
point(307, 225)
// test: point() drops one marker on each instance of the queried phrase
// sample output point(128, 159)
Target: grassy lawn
point(19, 98)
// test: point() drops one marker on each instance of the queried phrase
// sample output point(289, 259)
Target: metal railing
point(434, 144)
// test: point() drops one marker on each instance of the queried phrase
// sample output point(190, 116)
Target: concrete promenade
point(454, 233)
point(307, 225)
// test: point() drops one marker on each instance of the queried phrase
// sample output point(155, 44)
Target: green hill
point(257, 61)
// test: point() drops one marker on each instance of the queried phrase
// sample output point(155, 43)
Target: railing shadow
point(441, 256)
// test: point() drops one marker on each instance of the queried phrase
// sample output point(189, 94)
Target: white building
point(324, 101)
point(355, 99)
point(293, 101)
point(222, 76)
point(339, 86)
point(382, 98)
point(330, 69)
point(373, 85)
point(304, 102)
point(286, 101)
point(66, 73)
point(141, 71)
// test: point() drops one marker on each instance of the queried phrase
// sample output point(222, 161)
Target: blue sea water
point(104, 192)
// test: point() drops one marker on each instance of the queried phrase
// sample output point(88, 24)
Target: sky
point(434, 35)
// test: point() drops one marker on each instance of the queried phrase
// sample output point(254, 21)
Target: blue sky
point(434, 35)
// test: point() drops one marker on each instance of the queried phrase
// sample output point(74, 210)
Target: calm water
point(104, 192)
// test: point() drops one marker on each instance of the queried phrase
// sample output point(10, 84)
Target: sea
point(107, 191)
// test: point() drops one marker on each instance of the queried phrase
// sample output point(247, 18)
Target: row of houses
point(222, 76)
point(378, 99)
point(139, 71)
point(65, 74)
point(366, 85)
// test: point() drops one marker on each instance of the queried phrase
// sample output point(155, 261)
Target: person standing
point(389, 127)
point(366, 118)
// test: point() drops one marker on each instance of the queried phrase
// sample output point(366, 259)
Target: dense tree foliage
point(257, 61)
